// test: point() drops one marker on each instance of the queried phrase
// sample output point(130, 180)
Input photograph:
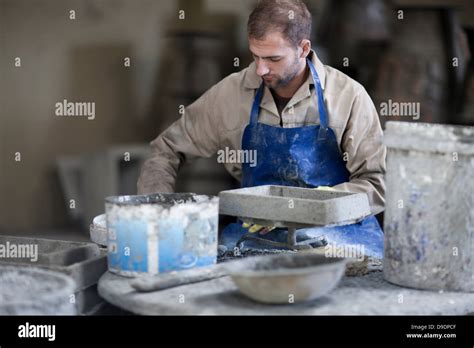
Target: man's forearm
point(374, 188)
point(194, 135)
point(159, 172)
point(151, 179)
point(365, 153)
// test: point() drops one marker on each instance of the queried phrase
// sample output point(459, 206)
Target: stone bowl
point(286, 278)
point(34, 291)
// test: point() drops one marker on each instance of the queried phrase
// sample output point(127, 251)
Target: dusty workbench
point(368, 294)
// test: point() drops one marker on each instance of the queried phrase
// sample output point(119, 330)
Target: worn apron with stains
point(303, 157)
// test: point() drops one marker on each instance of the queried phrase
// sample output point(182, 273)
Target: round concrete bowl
point(35, 291)
point(286, 278)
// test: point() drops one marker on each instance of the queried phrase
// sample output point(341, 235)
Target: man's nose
point(262, 69)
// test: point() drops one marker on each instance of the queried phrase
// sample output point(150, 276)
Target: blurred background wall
point(171, 62)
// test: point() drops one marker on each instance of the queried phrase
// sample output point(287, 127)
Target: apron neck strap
point(256, 104)
point(321, 106)
point(323, 117)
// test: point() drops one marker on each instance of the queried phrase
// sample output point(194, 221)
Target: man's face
point(277, 61)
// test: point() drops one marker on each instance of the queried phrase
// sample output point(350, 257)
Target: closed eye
point(272, 59)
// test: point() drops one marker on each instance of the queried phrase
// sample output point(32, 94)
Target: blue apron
point(303, 157)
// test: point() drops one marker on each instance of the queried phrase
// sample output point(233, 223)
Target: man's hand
point(262, 230)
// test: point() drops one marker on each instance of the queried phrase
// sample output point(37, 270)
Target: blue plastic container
point(161, 233)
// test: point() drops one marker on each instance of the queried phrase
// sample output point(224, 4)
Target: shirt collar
point(253, 81)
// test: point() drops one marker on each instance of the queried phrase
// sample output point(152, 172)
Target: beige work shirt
point(217, 120)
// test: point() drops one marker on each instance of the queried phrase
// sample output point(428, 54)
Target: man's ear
point(306, 48)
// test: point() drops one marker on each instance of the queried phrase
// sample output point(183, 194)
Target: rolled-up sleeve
point(195, 134)
point(365, 153)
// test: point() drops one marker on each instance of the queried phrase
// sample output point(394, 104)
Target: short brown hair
point(290, 17)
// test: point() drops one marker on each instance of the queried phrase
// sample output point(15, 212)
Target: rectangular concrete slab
point(286, 206)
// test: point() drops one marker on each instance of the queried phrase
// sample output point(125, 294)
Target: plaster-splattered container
point(429, 217)
point(161, 233)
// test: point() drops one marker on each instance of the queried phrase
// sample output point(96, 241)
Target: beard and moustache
point(279, 81)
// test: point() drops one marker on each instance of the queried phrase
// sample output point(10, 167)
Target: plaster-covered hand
point(254, 228)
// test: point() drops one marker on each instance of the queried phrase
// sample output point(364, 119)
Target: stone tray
point(85, 263)
point(287, 206)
